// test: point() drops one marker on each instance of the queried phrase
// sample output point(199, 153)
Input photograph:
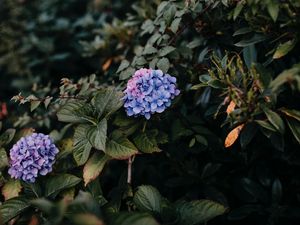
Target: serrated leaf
point(199, 211)
point(133, 219)
point(97, 135)
point(7, 137)
point(86, 219)
point(121, 148)
point(72, 112)
point(34, 104)
point(60, 182)
point(82, 146)
point(124, 64)
point(275, 120)
point(284, 48)
point(3, 159)
point(94, 167)
point(11, 189)
point(148, 50)
point(147, 198)
point(146, 143)
point(125, 74)
point(47, 101)
point(44, 205)
point(161, 7)
point(107, 101)
point(12, 208)
point(163, 64)
point(175, 25)
point(165, 51)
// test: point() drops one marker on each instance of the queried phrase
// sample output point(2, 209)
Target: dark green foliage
point(225, 152)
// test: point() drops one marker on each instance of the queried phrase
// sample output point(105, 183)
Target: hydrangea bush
point(31, 156)
point(187, 114)
point(149, 91)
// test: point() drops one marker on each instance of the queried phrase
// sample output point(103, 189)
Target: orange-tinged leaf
point(230, 107)
point(11, 189)
point(34, 220)
point(233, 136)
point(107, 64)
point(87, 219)
point(94, 167)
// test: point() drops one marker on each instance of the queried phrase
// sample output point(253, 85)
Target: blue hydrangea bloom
point(31, 156)
point(149, 91)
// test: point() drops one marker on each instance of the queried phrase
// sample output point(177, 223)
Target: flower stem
point(144, 126)
point(129, 169)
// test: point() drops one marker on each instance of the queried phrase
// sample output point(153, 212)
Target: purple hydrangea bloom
point(32, 155)
point(149, 91)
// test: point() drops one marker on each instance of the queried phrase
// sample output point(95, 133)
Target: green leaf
point(161, 7)
point(107, 101)
point(284, 48)
point(44, 205)
point(244, 30)
point(175, 25)
point(202, 140)
point(121, 148)
point(60, 182)
point(82, 146)
point(34, 104)
point(255, 39)
point(291, 113)
point(74, 111)
point(276, 191)
point(266, 124)
point(133, 219)
point(294, 125)
point(12, 208)
point(94, 167)
point(86, 219)
point(125, 74)
point(238, 9)
point(146, 142)
point(275, 120)
point(273, 9)
point(97, 135)
point(216, 83)
point(148, 50)
point(166, 50)
point(124, 64)
point(289, 76)
point(250, 55)
point(3, 159)
point(199, 211)
point(163, 64)
point(7, 137)
point(147, 198)
point(247, 134)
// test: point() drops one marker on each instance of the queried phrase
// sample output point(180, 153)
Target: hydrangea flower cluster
point(32, 155)
point(149, 91)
